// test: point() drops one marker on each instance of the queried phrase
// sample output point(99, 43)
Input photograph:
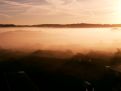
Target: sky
point(59, 11)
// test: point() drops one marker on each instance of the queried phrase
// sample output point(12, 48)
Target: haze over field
point(78, 39)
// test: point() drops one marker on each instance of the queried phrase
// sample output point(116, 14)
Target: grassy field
point(58, 71)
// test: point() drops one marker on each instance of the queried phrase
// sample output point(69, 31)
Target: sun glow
point(118, 6)
point(117, 12)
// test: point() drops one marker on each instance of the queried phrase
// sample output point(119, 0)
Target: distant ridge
point(79, 25)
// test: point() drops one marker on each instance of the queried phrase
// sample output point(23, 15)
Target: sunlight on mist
point(102, 39)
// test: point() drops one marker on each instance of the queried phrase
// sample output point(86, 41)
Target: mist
point(76, 40)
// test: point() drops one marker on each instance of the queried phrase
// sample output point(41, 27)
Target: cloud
point(31, 1)
point(72, 7)
point(4, 15)
point(14, 7)
point(16, 3)
point(58, 8)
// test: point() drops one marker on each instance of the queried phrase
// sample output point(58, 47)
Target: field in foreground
point(43, 70)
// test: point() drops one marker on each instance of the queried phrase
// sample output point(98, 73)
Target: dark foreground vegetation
point(59, 71)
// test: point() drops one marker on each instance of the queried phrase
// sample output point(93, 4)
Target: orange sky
point(60, 11)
